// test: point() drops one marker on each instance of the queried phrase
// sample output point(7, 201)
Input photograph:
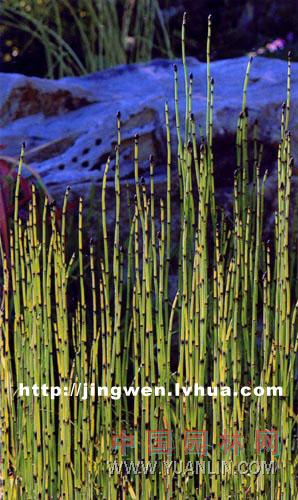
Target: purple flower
point(276, 45)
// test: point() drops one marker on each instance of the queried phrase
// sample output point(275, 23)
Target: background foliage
point(60, 37)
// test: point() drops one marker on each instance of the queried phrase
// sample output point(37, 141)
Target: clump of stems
point(232, 318)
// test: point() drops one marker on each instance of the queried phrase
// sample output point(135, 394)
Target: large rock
point(69, 125)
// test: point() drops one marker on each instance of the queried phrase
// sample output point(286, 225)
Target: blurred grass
point(79, 37)
point(71, 37)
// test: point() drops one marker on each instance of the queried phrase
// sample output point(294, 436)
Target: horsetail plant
point(230, 322)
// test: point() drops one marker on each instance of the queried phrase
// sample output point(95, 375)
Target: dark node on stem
point(289, 55)
point(135, 198)
point(291, 161)
point(143, 180)
point(189, 146)
point(24, 144)
point(246, 111)
point(151, 159)
point(191, 76)
point(241, 114)
point(192, 117)
point(282, 187)
point(175, 68)
point(212, 80)
point(283, 106)
point(136, 137)
point(68, 188)
point(202, 147)
point(251, 59)
point(118, 115)
point(159, 235)
point(52, 204)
